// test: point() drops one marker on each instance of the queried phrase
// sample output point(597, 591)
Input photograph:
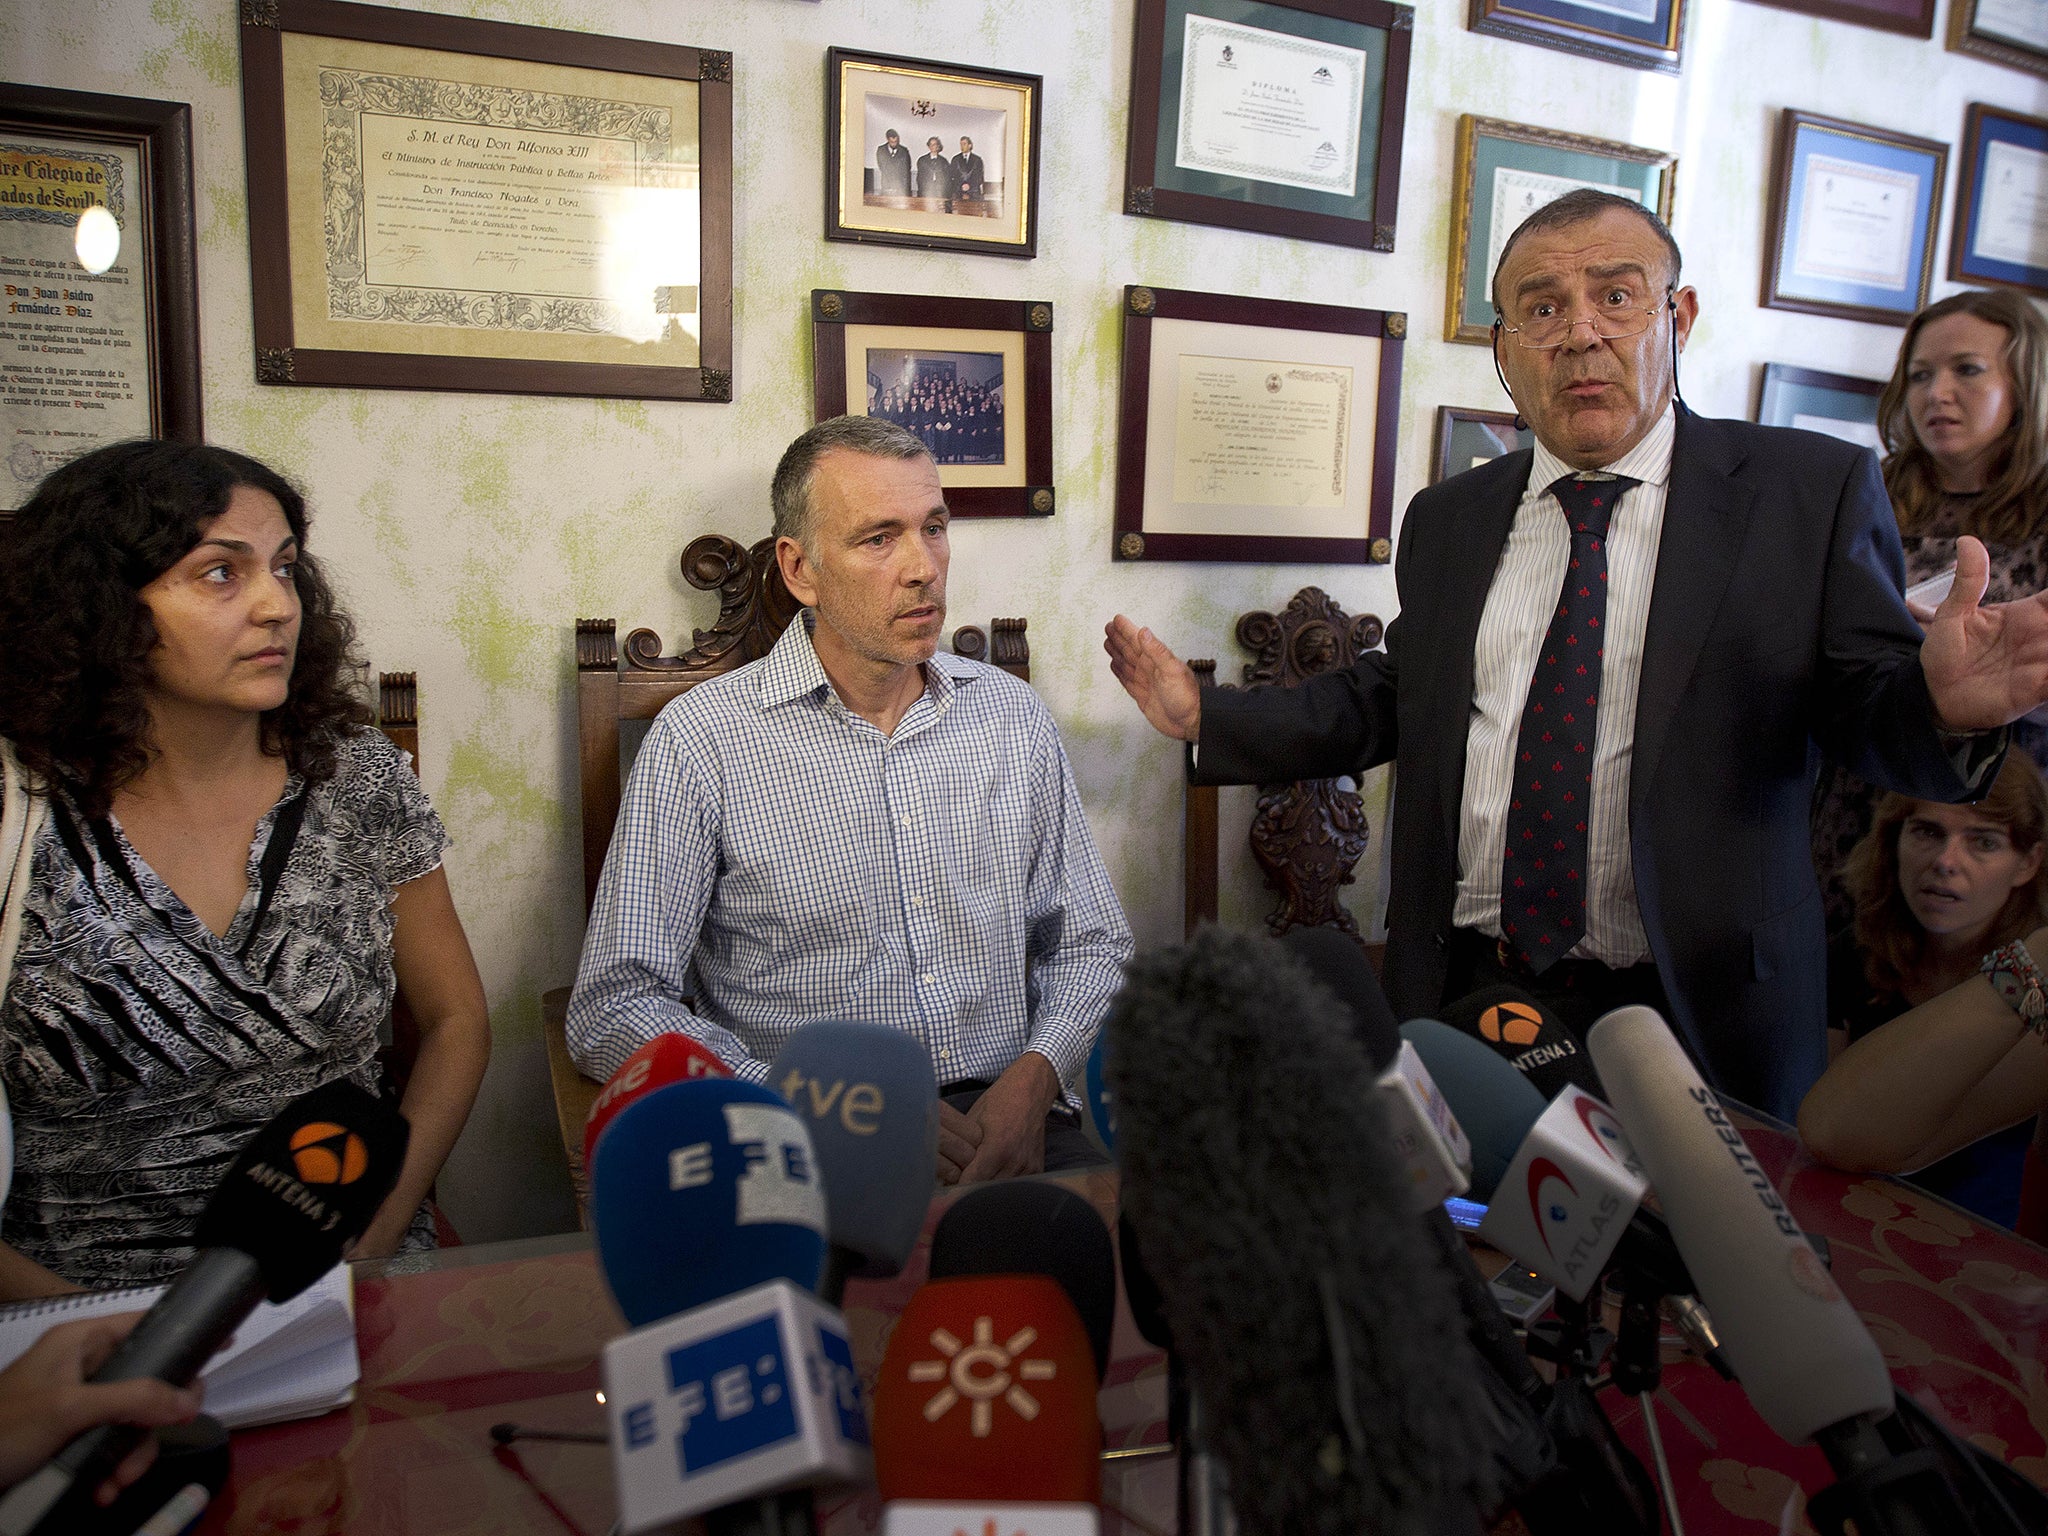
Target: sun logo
point(325, 1153)
point(981, 1372)
point(1515, 1023)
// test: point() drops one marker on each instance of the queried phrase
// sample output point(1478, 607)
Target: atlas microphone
point(667, 1058)
point(304, 1187)
point(735, 1393)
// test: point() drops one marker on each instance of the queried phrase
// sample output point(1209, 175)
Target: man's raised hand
point(1160, 681)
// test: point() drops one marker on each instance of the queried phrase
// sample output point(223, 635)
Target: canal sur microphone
point(1022, 1227)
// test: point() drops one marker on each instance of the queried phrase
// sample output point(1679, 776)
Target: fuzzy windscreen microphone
point(1321, 1333)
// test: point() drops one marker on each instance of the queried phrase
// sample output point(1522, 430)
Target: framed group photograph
point(937, 156)
point(2009, 32)
point(2001, 233)
point(1643, 34)
point(1466, 439)
point(1911, 18)
point(1835, 403)
point(971, 377)
point(442, 203)
point(1278, 116)
point(1256, 429)
point(99, 337)
point(1505, 172)
point(1852, 219)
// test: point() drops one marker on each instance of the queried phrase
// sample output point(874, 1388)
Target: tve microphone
point(663, 1060)
point(304, 1188)
point(1322, 1338)
point(868, 1097)
point(985, 1402)
point(736, 1385)
point(1023, 1227)
point(1427, 1137)
point(1534, 1041)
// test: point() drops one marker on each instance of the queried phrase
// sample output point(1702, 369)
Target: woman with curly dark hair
point(227, 874)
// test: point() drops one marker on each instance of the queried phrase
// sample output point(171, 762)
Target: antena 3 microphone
point(663, 1060)
point(304, 1187)
point(1023, 1227)
point(1534, 1041)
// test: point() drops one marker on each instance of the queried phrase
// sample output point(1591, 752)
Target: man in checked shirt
point(860, 826)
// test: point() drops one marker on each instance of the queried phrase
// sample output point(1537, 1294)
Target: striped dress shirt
point(1518, 609)
point(778, 860)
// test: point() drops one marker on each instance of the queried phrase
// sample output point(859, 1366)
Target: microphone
point(304, 1187)
point(1533, 1040)
point(736, 1390)
point(867, 1095)
point(668, 1058)
point(1022, 1227)
point(1321, 1334)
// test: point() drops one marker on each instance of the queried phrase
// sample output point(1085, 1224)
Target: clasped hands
point(1004, 1134)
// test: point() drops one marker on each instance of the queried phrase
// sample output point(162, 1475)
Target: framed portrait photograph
point(1466, 439)
point(938, 156)
point(1256, 429)
point(2001, 233)
point(971, 377)
point(1912, 18)
point(1505, 172)
point(442, 203)
point(99, 334)
point(1643, 34)
point(2009, 32)
point(1838, 404)
point(1278, 116)
point(1852, 219)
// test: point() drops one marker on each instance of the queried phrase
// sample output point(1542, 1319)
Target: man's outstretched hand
point(1985, 666)
point(1160, 681)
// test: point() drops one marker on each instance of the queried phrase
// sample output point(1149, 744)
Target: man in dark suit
point(892, 166)
point(968, 175)
point(1753, 612)
point(934, 171)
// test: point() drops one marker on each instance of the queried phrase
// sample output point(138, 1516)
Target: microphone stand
point(1603, 1485)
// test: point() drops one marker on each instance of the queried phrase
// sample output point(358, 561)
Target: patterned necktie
point(1543, 870)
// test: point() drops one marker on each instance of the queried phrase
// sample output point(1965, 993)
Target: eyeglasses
point(1616, 324)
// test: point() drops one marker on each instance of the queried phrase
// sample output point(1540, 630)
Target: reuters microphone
point(985, 1411)
point(735, 1393)
point(665, 1059)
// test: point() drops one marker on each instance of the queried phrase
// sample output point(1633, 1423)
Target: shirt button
point(917, 901)
point(904, 819)
point(944, 1053)
point(928, 978)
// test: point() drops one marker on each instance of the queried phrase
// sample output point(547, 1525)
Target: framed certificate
point(1643, 34)
point(1505, 173)
point(1834, 403)
point(972, 377)
point(99, 335)
point(2010, 32)
point(938, 156)
point(1280, 116)
point(1852, 219)
point(1466, 439)
point(1256, 429)
point(1913, 18)
point(2001, 233)
point(441, 203)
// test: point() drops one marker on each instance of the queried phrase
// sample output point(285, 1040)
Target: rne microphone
point(867, 1095)
point(667, 1058)
point(1024, 1227)
point(304, 1187)
point(1532, 1039)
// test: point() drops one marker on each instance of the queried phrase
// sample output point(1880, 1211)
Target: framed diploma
point(99, 331)
point(1643, 34)
point(1852, 221)
point(1466, 439)
point(972, 377)
point(1913, 18)
point(938, 156)
point(2001, 233)
point(441, 203)
point(1256, 429)
point(2010, 32)
point(1280, 116)
point(1505, 172)
point(1834, 403)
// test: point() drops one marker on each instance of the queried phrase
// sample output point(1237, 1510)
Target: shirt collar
point(791, 670)
point(1648, 462)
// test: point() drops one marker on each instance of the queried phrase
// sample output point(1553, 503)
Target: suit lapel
point(1706, 514)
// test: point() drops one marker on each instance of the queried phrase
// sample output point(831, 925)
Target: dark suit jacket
point(892, 170)
point(968, 176)
point(934, 176)
point(1775, 625)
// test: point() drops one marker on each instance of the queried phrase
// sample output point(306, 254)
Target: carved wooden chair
point(619, 690)
point(1307, 837)
point(398, 718)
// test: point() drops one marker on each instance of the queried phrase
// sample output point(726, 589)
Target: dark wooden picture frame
point(1499, 426)
point(1365, 221)
point(1781, 230)
point(1784, 387)
point(1143, 306)
point(873, 228)
point(281, 358)
point(1966, 35)
point(161, 133)
point(1591, 31)
point(1910, 18)
point(1983, 127)
point(833, 310)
